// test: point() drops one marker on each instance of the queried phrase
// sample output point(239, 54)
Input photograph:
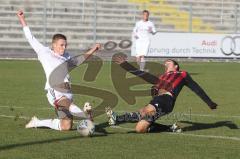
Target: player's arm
point(36, 45)
point(21, 18)
point(130, 68)
point(78, 60)
point(199, 91)
point(153, 29)
point(92, 51)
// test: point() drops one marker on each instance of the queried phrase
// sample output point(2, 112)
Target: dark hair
point(146, 11)
point(57, 37)
point(175, 63)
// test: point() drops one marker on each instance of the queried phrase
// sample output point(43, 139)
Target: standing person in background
point(141, 33)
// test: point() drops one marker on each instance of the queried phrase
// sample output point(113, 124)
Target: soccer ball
point(86, 127)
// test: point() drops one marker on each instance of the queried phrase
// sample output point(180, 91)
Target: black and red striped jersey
point(172, 81)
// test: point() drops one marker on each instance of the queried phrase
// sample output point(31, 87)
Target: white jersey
point(46, 56)
point(143, 29)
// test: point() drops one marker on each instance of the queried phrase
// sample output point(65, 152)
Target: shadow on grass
point(193, 127)
point(166, 128)
point(100, 132)
point(31, 143)
point(202, 126)
point(101, 128)
point(194, 74)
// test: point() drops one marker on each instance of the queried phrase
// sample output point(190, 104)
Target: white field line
point(208, 136)
point(18, 58)
point(131, 129)
point(20, 117)
point(185, 114)
point(6, 106)
point(12, 116)
point(15, 107)
point(211, 115)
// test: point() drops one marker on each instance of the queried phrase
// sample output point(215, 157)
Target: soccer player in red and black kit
point(165, 91)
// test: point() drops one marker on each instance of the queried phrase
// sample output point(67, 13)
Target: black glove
point(213, 105)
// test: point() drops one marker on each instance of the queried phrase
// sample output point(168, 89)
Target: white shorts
point(53, 95)
point(142, 46)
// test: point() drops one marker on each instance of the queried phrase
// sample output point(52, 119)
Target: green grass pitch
point(209, 134)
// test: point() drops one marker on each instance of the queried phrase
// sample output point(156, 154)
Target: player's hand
point(118, 59)
point(150, 30)
point(92, 51)
point(213, 105)
point(97, 47)
point(21, 18)
point(20, 14)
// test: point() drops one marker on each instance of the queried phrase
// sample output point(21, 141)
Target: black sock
point(129, 117)
point(155, 127)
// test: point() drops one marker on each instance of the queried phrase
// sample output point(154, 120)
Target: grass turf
point(209, 134)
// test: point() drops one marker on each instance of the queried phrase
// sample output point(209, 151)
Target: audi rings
point(111, 45)
point(230, 45)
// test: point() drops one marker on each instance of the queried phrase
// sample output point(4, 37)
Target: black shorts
point(163, 105)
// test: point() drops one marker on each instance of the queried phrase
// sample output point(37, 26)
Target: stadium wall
point(87, 21)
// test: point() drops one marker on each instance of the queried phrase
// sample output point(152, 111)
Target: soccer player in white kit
point(50, 59)
point(141, 33)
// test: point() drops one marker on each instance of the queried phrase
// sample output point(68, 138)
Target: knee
point(63, 102)
point(141, 129)
point(148, 110)
point(65, 126)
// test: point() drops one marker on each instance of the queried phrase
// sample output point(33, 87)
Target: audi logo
point(230, 45)
point(111, 45)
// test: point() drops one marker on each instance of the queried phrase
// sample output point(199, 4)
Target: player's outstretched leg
point(147, 123)
point(148, 116)
point(74, 110)
point(50, 123)
point(145, 119)
point(64, 121)
point(156, 127)
point(65, 111)
point(126, 117)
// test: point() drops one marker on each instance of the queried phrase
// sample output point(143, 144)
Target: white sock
point(50, 123)
point(76, 111)
point(142, 64)
point(138, 63)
